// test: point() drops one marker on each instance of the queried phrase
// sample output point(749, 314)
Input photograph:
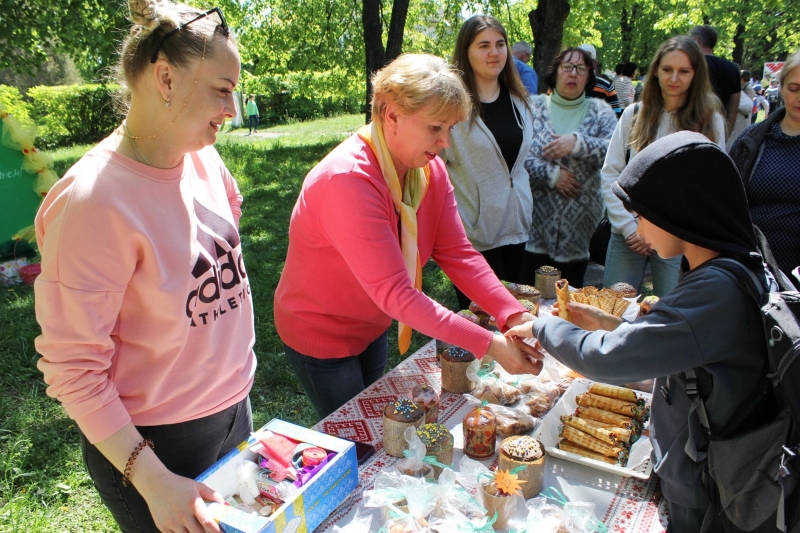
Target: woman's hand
point(567, 185)
point(590, 318)
point(637, 244)
point(560, 146)
point(519, 318)
point(176, 504)
point(515, 356)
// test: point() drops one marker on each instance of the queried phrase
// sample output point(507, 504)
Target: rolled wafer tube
point(592, 443)
point(607, 417)
point(612, 391)
point(614, 436)
point(563, 297)
point(570, 447)
point(597, 424)
point(609, 404)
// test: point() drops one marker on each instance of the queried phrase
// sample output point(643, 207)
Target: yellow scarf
point(406, 203)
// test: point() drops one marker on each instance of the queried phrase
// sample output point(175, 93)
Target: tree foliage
point(283, 36)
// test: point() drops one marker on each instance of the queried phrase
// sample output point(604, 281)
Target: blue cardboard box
point(308, 507)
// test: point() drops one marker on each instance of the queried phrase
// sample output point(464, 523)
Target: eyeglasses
point(222, 24)
point(583, 70)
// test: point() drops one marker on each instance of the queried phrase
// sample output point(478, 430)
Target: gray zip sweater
point(494, 202)
point(707, 320)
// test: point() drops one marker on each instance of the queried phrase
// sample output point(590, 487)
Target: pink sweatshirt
point(143, 300)
point(344, 278)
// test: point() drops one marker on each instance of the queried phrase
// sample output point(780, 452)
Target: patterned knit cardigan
point(562, 227)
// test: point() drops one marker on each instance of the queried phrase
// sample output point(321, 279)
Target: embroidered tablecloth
point(625, 505)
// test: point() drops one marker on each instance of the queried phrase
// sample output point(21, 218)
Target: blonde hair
point(696, 115)
point(791, 63)
point(152, 21)
point(418, 81)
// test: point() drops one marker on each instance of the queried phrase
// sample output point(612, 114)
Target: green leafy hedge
point(304, 95)
point(71, 114)
point(11, 98)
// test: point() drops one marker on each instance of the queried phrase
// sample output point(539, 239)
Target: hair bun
point(144, 13)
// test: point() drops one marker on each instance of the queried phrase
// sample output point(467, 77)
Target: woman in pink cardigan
point(368, 217)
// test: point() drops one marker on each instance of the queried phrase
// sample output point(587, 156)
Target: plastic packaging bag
point(512, 421)
point(414, 464)
point(468, 471)
point(542, 516)
point(578, 517)
point(490, 388)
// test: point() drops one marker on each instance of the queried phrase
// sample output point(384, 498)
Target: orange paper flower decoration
point(508, 483)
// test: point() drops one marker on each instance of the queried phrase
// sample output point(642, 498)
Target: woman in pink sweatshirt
point(144, 301)
point(368, 217)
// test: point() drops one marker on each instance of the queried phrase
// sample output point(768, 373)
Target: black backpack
point(752, 477)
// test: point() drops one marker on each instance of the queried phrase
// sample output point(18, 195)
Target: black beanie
point(686, 185)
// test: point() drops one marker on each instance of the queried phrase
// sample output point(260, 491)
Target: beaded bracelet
point(126, 475)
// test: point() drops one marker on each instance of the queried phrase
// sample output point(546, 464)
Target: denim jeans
point(186, 449)
point(253, 122)
point(505, 262)
point(623, 264)
point(331, 383)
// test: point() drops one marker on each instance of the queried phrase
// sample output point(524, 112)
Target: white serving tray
point(639, 463)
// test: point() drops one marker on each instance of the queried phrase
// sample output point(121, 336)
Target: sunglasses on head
point(222, 24)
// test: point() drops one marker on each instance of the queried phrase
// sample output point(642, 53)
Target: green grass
point(43, 484)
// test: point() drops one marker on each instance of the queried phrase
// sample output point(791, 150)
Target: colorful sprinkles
point(431, 434)
point(407, 409)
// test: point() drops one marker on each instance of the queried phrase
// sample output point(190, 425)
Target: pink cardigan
point(344, 278)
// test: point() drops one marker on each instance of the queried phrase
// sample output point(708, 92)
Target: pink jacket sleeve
point(355, 218)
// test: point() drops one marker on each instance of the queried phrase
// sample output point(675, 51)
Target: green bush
point(70, 114)
point(304, 95)
point(11, 98)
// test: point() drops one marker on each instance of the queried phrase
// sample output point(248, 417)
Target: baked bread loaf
point(524, 451)
point(397, 416)
point(438, 442)
point(426, 397)
point(454, 362)
point(625, 290)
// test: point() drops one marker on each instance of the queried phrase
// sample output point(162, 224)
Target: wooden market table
point(625, 505)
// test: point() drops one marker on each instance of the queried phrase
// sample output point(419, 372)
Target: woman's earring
point(166, 102)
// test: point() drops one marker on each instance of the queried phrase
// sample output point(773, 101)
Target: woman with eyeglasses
point(571, 134)
point(144, 301)
point(487, 152)
point(677, 96)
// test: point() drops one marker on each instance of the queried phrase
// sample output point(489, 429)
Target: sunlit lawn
point(43, 484)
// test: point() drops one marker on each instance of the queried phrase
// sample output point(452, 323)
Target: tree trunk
point(547, 25)
point(626, 25)
point(738, 45)
point(376, 55)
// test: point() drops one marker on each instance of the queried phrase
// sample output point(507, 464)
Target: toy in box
point(284, 479)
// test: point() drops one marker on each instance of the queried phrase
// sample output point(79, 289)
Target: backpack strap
point(784, 282)
point(698, 381)
point(628, 147)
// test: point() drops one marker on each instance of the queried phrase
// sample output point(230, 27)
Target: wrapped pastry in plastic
point(490, 388)
point(414, 464)
point(510, 422)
